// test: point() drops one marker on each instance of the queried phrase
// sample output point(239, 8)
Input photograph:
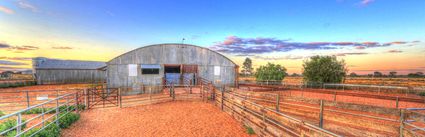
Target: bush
point(1, 113)
point(270, 72)
point(10, 124)
point(50, 131)
point(61, 109)
point(324, 69)
point(421, 93)
point(67, 119)
point(249, 130)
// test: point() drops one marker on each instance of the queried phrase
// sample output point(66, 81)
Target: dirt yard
point(178, 118)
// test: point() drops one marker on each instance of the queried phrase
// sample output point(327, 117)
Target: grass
point(1, 113)
point(249, 130)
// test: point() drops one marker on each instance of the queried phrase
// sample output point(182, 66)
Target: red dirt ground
point(178, 118)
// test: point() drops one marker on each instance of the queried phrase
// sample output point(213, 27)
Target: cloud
point(24, 48)
point(6, 10)
point(354, 53)
point(63, 47)
point(6, 62)
point(4, 45)
point(366, 2)
point(26, 5)
point(16, 58)
point(360, 47)
point(244, 46)
point(394, 51)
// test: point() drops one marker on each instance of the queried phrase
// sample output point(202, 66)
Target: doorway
point(172, 74)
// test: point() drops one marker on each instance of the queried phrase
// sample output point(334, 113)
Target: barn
point(56, 71)
point(165, 64)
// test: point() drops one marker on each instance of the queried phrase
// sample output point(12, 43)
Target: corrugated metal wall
point(64, 76)
point(117, 69)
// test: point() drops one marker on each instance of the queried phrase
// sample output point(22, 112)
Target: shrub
point(270, 72)
point(61, 109)
point(11, 123)
point(51, 131)
point(249, 130)
point(1, 113)
point(324, 69)
point(421, 93)
point(67, 119)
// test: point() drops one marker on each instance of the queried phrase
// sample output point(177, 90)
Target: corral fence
point(338, 86)
point(45, 114)
point(263, 120)
point(412, 122)
point(11, 101)
point(394, 94)
point(329, 114)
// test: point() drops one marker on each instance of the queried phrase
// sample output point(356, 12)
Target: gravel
point(178, 118)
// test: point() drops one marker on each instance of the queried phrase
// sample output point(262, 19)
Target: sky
point(369, 35)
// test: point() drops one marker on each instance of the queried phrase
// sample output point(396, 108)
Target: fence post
point(277, 102)
point(77, 106)
point(28, 99)
point(396, 102)
point(120, 96)
point(174, 92)
point(190, 87)
point(334, 95)
point(18, 123)
point(57, 111)
point(222, 99)
point(401, 122)
point(85, 98)
point(321, 114)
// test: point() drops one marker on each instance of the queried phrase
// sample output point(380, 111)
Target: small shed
point(56, 71)
point(164, 64)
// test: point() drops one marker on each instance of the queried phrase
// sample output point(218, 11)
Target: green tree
point(247, 67)
point(270, 72)
point(324, 69)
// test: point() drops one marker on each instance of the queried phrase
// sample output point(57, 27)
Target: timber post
point(277, 102)
point(321, 114)
point(396, 102)
point(222, 99)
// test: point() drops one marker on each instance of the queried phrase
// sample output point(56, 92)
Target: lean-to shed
point(55, 71)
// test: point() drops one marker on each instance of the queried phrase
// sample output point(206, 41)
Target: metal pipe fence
point(16, 100)
point(62, 105)
point(319, 108)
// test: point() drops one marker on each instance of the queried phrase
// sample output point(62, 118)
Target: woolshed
point(55, 71)
point(166, 64)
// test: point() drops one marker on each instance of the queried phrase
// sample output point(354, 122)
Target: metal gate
point(104, 97)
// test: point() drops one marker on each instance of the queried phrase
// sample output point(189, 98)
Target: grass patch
point(249, 130)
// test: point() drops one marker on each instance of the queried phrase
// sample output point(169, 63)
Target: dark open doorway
point(172, 69)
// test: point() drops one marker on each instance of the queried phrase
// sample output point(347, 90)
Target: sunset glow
point(379, 35)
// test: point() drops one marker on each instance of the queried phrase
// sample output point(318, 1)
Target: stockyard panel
point(210, 65)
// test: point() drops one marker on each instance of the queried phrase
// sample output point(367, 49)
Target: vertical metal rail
point(28, 99)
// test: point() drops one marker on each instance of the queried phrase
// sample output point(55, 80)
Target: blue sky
point(118, 26)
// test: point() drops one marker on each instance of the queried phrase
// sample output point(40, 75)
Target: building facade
point(164, 64)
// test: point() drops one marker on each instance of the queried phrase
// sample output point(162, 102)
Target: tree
point(324, 69)
point(392, 74)
point(415, 75)
point(377, 74)
point(270, 72)
point(247, 67)
point(352, 74)
point(295, 75)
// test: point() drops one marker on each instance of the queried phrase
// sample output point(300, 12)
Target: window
point(150, 69)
